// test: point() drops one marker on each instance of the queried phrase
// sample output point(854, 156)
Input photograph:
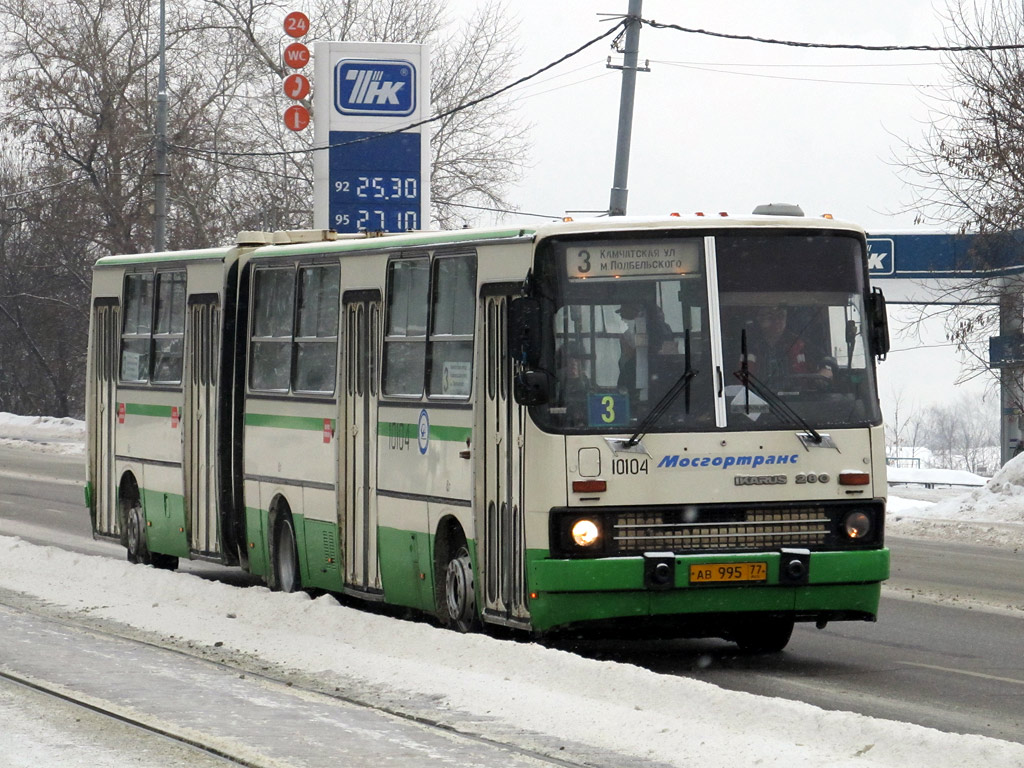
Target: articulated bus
point(581, 426)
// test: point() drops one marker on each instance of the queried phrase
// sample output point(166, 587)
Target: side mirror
point(524, 331)
point(879, 323)
point(532, 387)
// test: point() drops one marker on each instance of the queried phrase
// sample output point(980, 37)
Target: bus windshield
point(743, 330)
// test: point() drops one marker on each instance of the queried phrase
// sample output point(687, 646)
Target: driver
point(775, 352)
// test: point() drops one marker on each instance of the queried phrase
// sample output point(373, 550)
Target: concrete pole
point(617, 204)
point(1011, 323)
point(160, 174)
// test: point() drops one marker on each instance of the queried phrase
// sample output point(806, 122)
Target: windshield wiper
point(766, 393)
point(682, 384)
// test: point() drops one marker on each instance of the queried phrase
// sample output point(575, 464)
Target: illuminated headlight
point(585, 533)
point(857, 525)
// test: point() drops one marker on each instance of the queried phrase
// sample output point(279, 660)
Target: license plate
point(728, 573)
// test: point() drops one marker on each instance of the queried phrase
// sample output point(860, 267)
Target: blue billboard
point(370, 103)
point(937, 255)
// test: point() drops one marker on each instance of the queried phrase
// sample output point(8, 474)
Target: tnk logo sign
point(374, 87)
point(881, 252)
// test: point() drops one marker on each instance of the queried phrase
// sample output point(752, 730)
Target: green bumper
point(564, 592)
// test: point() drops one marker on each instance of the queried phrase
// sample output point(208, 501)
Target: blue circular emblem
point(423, 435)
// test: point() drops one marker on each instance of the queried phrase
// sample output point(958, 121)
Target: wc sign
point(375, 87)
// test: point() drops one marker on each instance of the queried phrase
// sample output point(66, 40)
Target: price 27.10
point(379, 187)
point(384, 221)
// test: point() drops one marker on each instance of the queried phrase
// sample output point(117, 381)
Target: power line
point(607, 33)
point(72, 180)
point(766, 65)
point(502, 210)
point(836, 46)
point(763, 75)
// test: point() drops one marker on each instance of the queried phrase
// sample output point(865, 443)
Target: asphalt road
point(946, 651)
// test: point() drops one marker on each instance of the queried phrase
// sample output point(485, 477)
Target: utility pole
point(160, 175)
point(617, 203)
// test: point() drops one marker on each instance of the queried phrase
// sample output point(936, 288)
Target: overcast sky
point(724, 125)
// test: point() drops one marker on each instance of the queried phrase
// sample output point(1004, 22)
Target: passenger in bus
point(574, 383)
point(646, 332)
point(775, 353)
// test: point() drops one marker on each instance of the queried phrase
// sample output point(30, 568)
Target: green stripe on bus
point(451, 434)
point(412, 431)
point(140, 409)
point(309, 423)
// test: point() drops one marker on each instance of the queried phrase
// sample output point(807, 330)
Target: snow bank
point(43, 434)
point(552, 700)
point(992, 514)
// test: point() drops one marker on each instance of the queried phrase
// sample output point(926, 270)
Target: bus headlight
point(856, 526)
point(585, 533)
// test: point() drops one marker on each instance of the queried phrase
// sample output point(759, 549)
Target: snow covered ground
point(43, 434)
point(552, 700)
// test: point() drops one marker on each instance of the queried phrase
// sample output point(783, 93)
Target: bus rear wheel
point(459, 606)
point(286, 557)
point(138, 549)
point(136, 538)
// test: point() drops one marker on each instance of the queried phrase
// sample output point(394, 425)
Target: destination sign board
point(641, 258)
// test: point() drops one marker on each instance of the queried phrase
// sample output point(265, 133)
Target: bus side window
point(405, 348)
point(272, 316)
point(451, 337)
point(138, 324)
point(316, 339)
point(169, 330)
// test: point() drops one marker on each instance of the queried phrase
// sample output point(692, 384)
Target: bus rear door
point(106, 340)
point(358, 431)
point(200, 420)
point(501, 548)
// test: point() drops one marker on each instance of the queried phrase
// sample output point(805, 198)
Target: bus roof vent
point(778, 209)
point(283, 237)
point(253, 237)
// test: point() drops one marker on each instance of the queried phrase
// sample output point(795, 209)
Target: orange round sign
point(296, 117)
point(296, 56)
point(296, 86)
point(296, 24)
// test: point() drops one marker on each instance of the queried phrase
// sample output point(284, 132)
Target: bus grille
point(749, 529)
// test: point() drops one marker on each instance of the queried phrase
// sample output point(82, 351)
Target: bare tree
point(903, 425)
point(78, 82)
point(961, 434)
point(478, 147)
point(968, 169)
point(43, 276)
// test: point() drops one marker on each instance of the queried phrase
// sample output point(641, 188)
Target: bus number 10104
point(623, 466)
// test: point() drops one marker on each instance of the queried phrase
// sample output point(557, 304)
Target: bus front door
point(202, 336)
point(501, 548)
point(358, 502)
point(106, 329)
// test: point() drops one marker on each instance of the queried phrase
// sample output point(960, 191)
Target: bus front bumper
point(829, 586)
